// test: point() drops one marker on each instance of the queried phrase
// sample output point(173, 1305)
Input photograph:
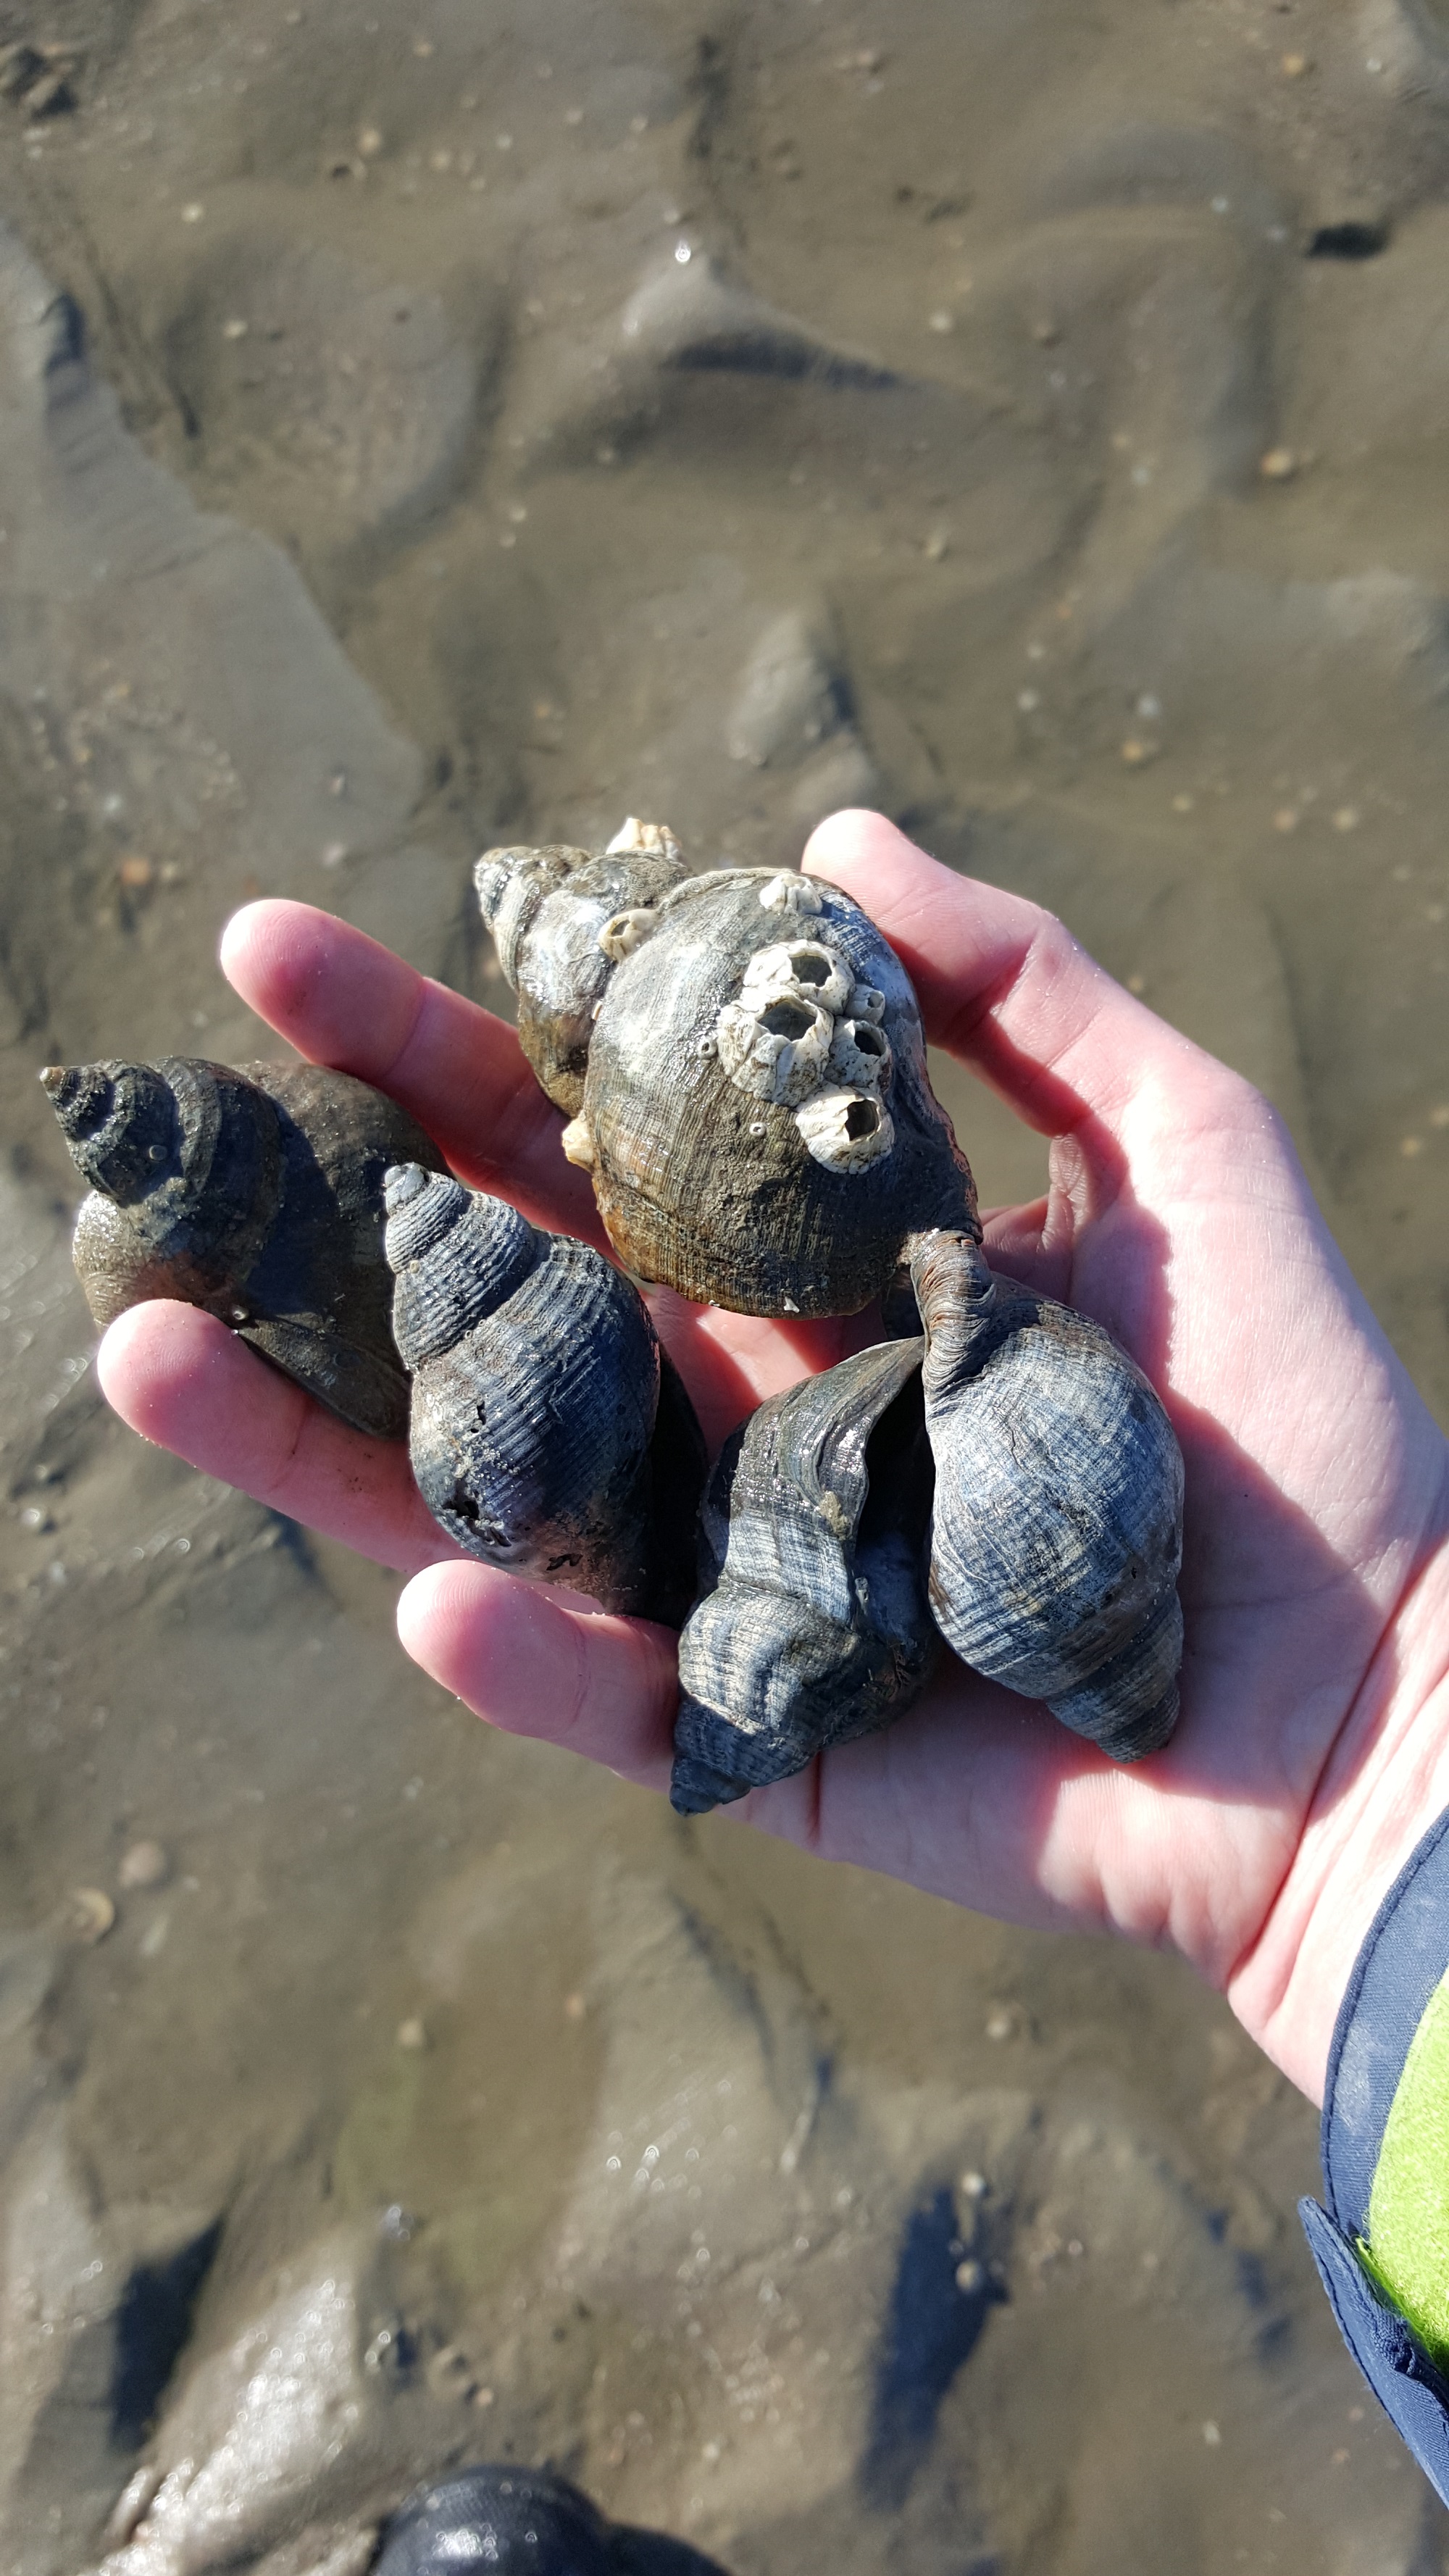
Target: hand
point(1313, 1749)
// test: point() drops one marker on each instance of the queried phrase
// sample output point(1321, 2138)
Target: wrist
point(1385, 1783)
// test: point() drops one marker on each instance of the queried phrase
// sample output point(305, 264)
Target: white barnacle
point(847, 1131)
point(776, 1048)
point(860, 1055)
point(626, 931)
point(655, 838)
point(866, 1003)
point(803, 968)
point(791, 893)
point(578, 1144)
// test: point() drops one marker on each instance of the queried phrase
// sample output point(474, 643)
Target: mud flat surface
point(423, 423)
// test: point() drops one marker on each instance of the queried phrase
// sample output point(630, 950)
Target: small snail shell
point(756, 1112)
point(550, 1435)
point(1057, 1526)
point(813, 1626)
point(551, 912)
point(256, 1193)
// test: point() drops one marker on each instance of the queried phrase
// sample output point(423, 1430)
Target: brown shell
point(764, 1204)
point(546, 909)
point(254, 1192)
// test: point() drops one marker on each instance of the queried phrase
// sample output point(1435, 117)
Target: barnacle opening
point(787, 1020)
point(804, 967)
point(845, 1130)
point(776, 1050)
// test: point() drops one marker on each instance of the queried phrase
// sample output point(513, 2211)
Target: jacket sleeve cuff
point(1398, 1972)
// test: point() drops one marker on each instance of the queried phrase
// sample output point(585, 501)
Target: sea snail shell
point(813, 1625)
point(549, 1435)
point(550, 912)
point(747, 1082)
point(256, 1193)
point(1056, 1533)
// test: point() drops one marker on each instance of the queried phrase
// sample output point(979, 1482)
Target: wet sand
point(424, 424)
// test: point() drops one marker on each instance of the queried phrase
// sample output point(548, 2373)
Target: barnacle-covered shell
point(813, 1624)
point(1057, 1526)
point(756, 1110)
point(550, 912)
point(256, 1193)
point(549, 1435)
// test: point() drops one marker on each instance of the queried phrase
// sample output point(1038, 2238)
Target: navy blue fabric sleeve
point(1401, 1963)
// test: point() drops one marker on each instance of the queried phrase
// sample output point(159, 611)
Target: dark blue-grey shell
point(813, 1625)
point(501, 2522)
point(1057, 1530)
point(549, 1436)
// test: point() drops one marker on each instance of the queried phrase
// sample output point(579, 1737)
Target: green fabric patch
point(1408, 2214)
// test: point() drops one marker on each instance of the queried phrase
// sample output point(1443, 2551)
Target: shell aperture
point(256, 1193)
point(1056, 1532)
point(813, 1625)
point(549, 1435)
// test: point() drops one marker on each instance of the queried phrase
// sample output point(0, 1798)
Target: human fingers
point(525, 1661)
point(1004, 985)
point(343, 1000)
point(183, 1381)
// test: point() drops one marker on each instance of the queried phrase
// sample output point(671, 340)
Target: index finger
point(341, 999)
point(1003, 985)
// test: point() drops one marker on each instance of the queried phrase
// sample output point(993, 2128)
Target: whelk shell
point(550, 1435)
point(253, 1191)
point(813, 1625)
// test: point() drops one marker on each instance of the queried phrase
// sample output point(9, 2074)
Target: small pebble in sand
point(235, 328)
point(1346, 818)
point(1279, 465)
point(574, 2007)
point(1440, 1117)
point(146, 1864)
point(970, 2278)
point(1409, 1146)
point(482, 2398)
point(89, 1915)
point(450, 2375)
point(1000, 2022)
point(941, 320)
point(192, 214)
point(422, 47)
point(36, 1519)
point(937, 545)
point(1211, 2436)
point(412, 2033)
point(1137, 984)
point(573, 116)
point(1045, 333)
point(1287, 819)
point(1182, 804)
point(132, 2504)
point(1137, 753)
point(135, 872)
point(974, 2185)
point(369, 142)
point(1294, 66)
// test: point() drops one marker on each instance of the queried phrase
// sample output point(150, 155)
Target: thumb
point(530, 1661)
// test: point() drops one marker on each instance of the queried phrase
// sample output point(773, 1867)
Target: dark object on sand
point(522, 2522)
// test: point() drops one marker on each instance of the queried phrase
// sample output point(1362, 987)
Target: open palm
point(1313, 1748)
